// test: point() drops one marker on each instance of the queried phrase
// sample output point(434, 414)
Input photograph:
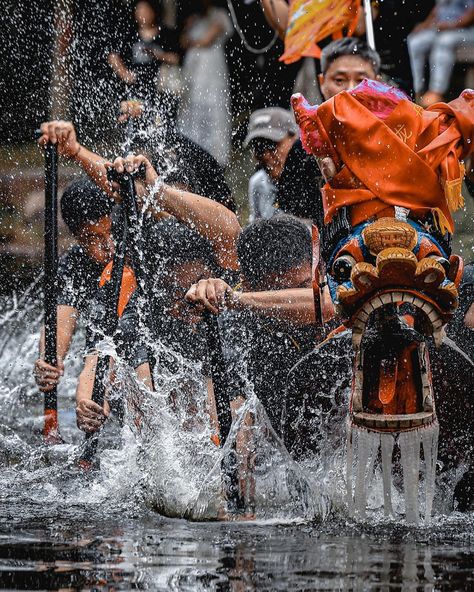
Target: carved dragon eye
point(342, 268)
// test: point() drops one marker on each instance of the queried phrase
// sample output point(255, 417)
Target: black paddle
point(126, 219)
point(223, 410)
point(51, 425)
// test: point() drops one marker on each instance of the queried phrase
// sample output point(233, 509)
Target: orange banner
point(310, 21)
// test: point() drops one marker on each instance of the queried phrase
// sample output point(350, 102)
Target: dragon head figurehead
point(393, 176)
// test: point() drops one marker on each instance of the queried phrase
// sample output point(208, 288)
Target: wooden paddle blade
point(89, 450)
point(51, 435)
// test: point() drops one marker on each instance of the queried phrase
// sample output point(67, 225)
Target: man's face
point(272, 155)
point(95, 238)
point(176, 282)
point(345, 73)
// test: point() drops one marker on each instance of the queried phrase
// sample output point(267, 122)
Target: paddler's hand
point(212, 294)
point(131, 109)
point(61, 133)
point(131, 164)
point(89, 415)
point(47, 376)
point(327, 168)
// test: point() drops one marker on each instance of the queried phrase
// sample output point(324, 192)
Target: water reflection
point(153, 553)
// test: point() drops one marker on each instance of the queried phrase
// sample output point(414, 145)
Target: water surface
point(63, 530)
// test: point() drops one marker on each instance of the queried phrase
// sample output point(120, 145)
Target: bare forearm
point(117, 65)
point(276, 14)
point(85, 383)
point(209, 218)
point(93, 165)
point(67, 317)
point(295, 305)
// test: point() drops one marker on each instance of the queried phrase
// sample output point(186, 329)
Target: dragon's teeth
point(438, 335)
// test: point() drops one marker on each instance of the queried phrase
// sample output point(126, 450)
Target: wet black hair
point(153, 145)
point(183, 179)
point(273, 246)
point(172, 243)
point(346, 47)
point(83, 202)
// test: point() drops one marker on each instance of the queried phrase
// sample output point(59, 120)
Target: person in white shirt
point(271, 134)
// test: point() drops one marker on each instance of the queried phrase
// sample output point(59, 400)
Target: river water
point(123, 527)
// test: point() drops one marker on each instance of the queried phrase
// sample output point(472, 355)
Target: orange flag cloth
point(390, 152)
point(310, 22)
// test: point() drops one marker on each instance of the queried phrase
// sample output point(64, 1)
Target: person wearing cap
point(271, 134)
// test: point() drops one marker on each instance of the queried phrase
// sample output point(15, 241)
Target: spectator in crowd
point(204, 115)
point(258, 78)
point(450, 25)
point(136, 58)
point(344, 64)
point(393, 21)
point(271, 134)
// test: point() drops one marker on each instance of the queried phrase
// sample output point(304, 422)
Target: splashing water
point(274, 486)
point(166, 460)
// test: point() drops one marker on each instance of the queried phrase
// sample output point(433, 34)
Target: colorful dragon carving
point(393, 176)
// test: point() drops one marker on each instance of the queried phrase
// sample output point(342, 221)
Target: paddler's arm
point(64, 135)
point(294, 304)
point(89, 415)
point(210, 219)
point(276, 14)
point(46, 375)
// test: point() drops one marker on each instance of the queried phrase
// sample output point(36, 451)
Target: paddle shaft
point(126, 219)
point(50, 282)
point(218, 375)
point(103, 362)
point(224, 414)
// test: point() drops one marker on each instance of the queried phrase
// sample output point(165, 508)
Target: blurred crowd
point(199, 65)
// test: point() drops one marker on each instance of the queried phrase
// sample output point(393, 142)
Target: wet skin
point(95, 238)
